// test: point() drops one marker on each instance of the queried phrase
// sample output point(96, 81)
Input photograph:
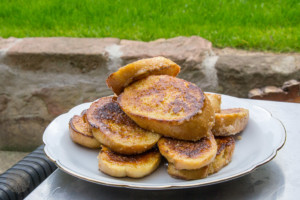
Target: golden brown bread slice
point(225, 151)
point(188, 154)
point(80, 132)
point(215, 100)
point(114, 129)
point(140, 69)
point(134, 166)
point(230, 121)
point(170, 106)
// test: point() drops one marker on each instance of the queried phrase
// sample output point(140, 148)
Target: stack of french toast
point(153, 113)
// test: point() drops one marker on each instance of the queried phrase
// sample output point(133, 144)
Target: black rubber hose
point(18, 181)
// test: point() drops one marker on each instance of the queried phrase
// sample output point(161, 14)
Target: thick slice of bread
point(134, 166)
point(215, 100)
point(230, 121)
point(114, 129)
point(170, 106)
point(224, 155)
point(80, 132)
point(188, 154)
point(140, 69)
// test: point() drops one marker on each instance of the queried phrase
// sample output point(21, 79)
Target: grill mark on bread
point(188, 154)
point(187, 97)
point(225, 151)
point(79, 120)
point(189, 149)
point(113, 128)
point(223, 142)
point(81, 133)
point(138, 158)
point(166, 110)
point(110, 113)
point(113, 112)
point(140, 69)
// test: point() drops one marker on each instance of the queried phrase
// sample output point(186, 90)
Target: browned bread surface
point(225, 151)
point(135, 166)
point(188, 154)
point(113, 128)
point(170, 106)
point(80, 132)
point(140, 69)
point(230, 121)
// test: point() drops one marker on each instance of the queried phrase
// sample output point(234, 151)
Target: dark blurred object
point(18, 181)
point(289, 92)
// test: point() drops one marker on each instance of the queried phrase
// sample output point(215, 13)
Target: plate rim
point(168, 186)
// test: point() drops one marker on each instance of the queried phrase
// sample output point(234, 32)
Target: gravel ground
point(9, 158)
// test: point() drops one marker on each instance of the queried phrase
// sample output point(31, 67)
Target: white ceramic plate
point(261, 140)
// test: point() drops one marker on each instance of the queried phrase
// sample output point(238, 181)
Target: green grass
point(253, 24)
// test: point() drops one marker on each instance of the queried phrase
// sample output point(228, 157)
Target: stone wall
point(41, 78)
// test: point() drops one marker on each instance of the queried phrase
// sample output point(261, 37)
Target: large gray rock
point(188, 52)
point(237, 74)
point(70, 55)
point(30, 100)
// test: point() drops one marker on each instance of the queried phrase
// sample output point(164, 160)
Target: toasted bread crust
point(170, 106)
point(135, 166)
point(215, 100)
point(226, 146)
point(140, 69)
point(81, 134)
point(225, 151)
point(230, 121)
point(113, 128)
point(188, 154)
point(186, 174)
